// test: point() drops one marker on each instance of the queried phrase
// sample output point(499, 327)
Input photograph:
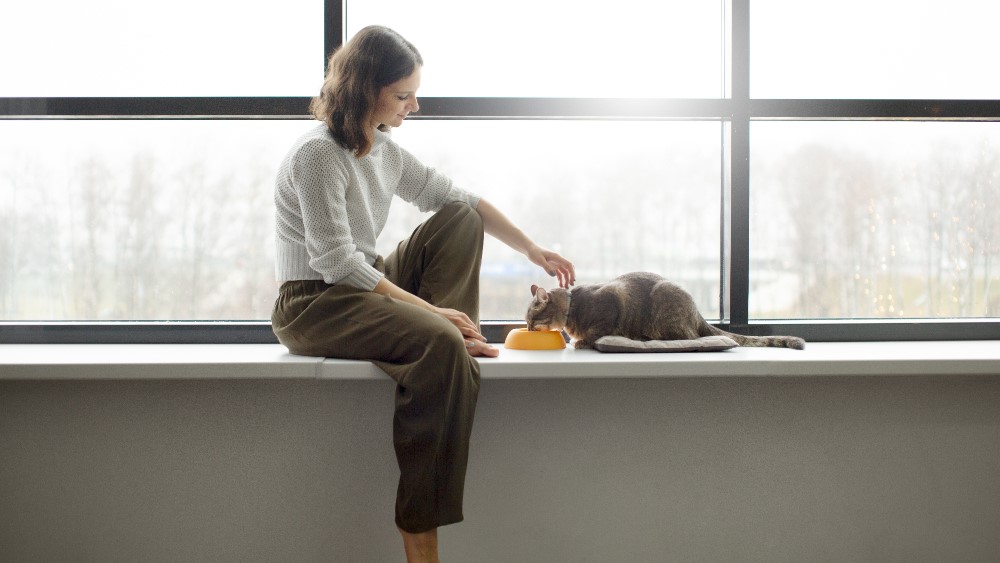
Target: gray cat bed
point(703, 344)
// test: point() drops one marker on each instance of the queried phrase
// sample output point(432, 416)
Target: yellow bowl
point(524, 339)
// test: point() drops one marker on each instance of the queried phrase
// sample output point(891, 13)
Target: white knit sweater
point(330, 206)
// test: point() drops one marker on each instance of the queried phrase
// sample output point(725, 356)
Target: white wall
point(684, 469)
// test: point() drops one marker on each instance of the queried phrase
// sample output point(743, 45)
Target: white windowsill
point(272, 361)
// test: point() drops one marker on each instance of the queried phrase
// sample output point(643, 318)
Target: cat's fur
point(639, 305)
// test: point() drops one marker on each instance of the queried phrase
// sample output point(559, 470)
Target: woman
point(414, 313)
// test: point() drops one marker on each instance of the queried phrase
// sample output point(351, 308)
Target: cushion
point(703, 344)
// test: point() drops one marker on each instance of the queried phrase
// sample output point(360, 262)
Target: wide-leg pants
point(437, 380)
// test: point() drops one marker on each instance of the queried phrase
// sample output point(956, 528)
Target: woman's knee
point(447, 342)
point(447, 350)
point(464, 215)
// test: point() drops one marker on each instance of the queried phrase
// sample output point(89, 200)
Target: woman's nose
point(415, 106)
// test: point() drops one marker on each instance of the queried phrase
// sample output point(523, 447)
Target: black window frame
point(734, 112)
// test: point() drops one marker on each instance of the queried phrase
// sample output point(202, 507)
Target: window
point(122, 220)
point(858, 49)
point(793, 181)
point(120, 48)
point(864, 219)
point(872, 158)
point(558, 48)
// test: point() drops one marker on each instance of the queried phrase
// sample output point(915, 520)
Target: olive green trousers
point(437, 380)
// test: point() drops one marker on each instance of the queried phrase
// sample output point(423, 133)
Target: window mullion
point(333, 27)
point(739, 227)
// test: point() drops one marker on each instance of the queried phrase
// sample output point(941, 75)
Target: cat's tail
point(793, 342)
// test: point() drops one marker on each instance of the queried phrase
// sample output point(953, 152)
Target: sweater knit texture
point(330, 206)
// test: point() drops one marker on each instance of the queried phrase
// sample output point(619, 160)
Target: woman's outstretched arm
point(497, 225)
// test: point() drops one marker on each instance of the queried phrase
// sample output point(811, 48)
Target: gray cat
point(639, 305)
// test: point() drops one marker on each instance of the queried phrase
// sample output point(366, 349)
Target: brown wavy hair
point(356, 72)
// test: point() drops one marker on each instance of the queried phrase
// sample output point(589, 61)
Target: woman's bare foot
point(480, 348)
point(422, 547)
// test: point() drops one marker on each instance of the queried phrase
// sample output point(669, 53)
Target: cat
point(639, 306)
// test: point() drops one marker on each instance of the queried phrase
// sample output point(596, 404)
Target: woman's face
point(397, 100)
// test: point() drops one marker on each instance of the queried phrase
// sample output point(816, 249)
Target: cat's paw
point(582, 345)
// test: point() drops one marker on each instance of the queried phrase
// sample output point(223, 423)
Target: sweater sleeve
point(427, 188)
point(321, 183)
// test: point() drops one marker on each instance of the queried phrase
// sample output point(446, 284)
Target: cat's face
point(543, 313)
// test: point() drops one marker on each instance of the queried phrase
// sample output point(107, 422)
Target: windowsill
point(272, 361)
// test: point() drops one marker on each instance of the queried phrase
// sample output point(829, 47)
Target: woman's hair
point(373, 59)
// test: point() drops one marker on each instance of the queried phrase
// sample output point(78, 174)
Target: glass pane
point(139, 220)
point(894, 49)
point(613, 197)
point(874, 220)
point(173, 220)
point(183, 48)
point(558, 48)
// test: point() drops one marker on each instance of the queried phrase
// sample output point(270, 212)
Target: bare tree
point(137, 257)
point(91, 236)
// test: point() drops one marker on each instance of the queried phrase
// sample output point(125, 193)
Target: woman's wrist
point(386, 287)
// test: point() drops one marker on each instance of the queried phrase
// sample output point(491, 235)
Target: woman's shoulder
point(317, 142)
point(318, 136)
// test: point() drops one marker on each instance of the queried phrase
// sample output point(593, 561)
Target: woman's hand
point(475, 342)
point(461, 321)
point(554, 265)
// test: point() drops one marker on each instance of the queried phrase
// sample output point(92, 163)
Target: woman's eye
point(402, 98)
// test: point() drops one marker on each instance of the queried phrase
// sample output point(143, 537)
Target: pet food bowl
point(524, 339)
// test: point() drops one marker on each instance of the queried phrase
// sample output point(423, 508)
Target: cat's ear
point(534, 288)
point(541, 295)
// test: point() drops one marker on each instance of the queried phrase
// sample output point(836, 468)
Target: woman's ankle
point(422, 547)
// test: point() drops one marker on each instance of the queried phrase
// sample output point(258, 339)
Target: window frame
point(734, 111)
